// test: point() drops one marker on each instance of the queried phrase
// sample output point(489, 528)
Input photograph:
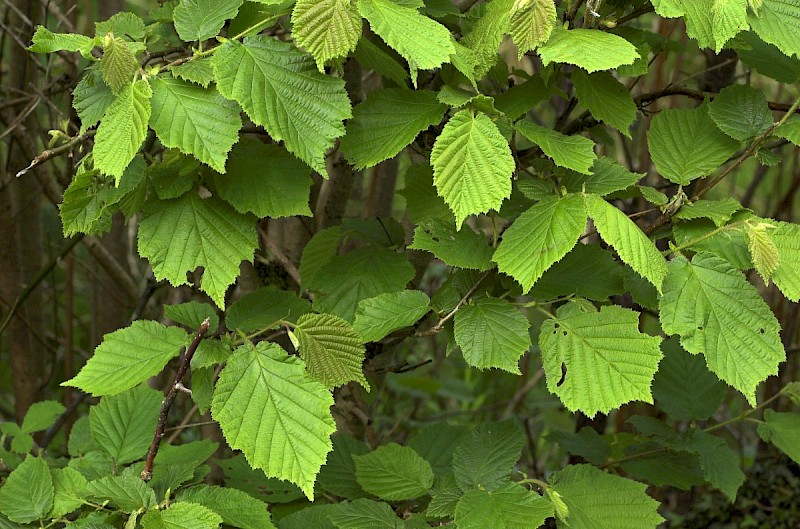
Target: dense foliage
point(563, 243)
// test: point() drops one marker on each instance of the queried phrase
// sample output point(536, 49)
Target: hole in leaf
point(563, 375)
point(435, 239)
point(556, 325)
point(564, 332)
point(699, 327)
point(762, 331)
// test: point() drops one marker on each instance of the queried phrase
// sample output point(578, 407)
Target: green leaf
point(338, 476)
point(598, 361)
point(393, 472)
point(531, 23)
point(766, 256)
point(179, 235)
point(787, 275)
point(700, 23)
point(719, 211)
point(443, 502)
point(128, 357)
point(280, 88)
point(540, 237)
point(328, 29)
point(332, 350)
point(70, 488)
point(91, 98)
point(237, 508)
point(597, 499)
point(487, 33)
point(196, 120)
point(585, 443)
point(606, 177)
point(381, 315)
point(729, 243)
point(174, 175)
point(572, 152)
point(265, 180)
point(718, 313)
point(423, 42)
point(730, 17)
point(181, 515)
point(121, 24)
point(192, 314)
point(127, 491)
point(765, 58)
point(272, 410)
point(264, 308)
point(361, 274)
point(177, 464)
point(686, 144)
point(422, 201)
point(386, 122)
point(778, 22)
point(472, 165)
point(720, 464)
point(197, 71)
point(510, 506)
point(373, 57)
point(365, 514)
point(741, 112)
point(591, 49)
point(485, 458)
point(462, 248)
point(122, 130)
point(492, 333)
point(632, 245)
point(41, 415)
point(606, 98)
point(316, 516)
point(27, 494)
point(587, 271)
point(240, 475)
point(45, 41)
point(118, 63)
point(782, 430)
point(122, 425)
point(203, 19)
point(669, 8)
point(790, 131)
point(684, 387)
point(436, 443)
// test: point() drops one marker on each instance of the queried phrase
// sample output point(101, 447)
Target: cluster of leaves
point(492, 163)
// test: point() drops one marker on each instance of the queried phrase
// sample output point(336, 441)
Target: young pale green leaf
point(386, 122)
point(485, 458)
point(332, 350)
point(591, 49)
point(365, 514)
point(606, 177)
point(598, 361)
point(179, 235)
point(782, 430)
point(91, 98)
point(280, 88)
point(766, 256)
point(41, 415)
point(393, 472)
point(275, 413)
point(597, 499)
point(265, 180)
point(632, 245)
point(338, 476)
point(123, 23)
point(606, 98)
point(510, 506)
point(203, 19)
point(462, 248)
point(572, 152)
point(379, 316)
point(45, 41)
point(540, 237)
point(741, 112)
point(121, 425)
point(423, 42)
point(128, 357)
point(718, 313)
point(192, 314)
point(684, 387)
point(729, 18)
point(472, 165)
point(786, 238)
point(360, 274)
point(123, 129)
point(492, 333)
point(236, 507)
point(669, 8)
point(264, 308)
point(778, 22)
point(720, 464)
point(531, 23)
point(69, 487)
point(699, 18)
point(485, 37)
point(27, 494)
point(198, 71)
point(719, 211)
point(790, 131)
point(198, 121)
point(181, 515)
point(686, 144)
point(328, 29)
point(118, 63)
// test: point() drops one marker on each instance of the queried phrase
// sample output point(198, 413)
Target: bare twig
point(58, 151)
point(436, 329)
point(276, 252)
point(166, 404)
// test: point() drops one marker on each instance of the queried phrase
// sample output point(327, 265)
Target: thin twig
point(147, 472)
point(276, 252)
point(436, 329)
point(58, 151)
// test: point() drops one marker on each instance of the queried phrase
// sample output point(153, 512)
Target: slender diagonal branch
point(440, 324)
point(166, 404)
point(58, 151)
